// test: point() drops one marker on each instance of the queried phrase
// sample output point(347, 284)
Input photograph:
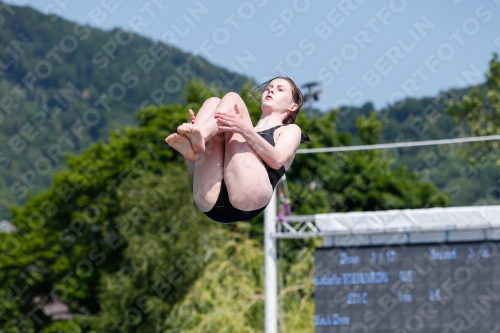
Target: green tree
point(72, 235)
point(478, 113)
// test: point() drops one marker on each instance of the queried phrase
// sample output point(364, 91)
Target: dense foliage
point(478, 113)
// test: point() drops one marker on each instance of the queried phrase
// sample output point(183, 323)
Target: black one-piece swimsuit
point(224, 212)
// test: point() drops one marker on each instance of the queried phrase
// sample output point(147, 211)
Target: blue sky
point(360, 50)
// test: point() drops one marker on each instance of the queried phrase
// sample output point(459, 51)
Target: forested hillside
point(64, 86)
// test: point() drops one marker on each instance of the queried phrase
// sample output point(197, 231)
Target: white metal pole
point(270, 276)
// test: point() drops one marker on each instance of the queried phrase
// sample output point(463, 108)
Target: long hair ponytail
point(297, 98)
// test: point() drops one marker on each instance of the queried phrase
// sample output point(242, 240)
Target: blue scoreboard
point(441, 288)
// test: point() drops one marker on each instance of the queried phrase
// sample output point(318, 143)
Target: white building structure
point(407, 226)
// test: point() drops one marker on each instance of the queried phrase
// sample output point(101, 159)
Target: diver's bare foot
point(194, 135)
point(182, 144)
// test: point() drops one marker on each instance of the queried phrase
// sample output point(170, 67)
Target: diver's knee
point(212, 102)
point(232, 97)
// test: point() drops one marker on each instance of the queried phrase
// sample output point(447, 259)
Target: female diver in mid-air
point(236, 166)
